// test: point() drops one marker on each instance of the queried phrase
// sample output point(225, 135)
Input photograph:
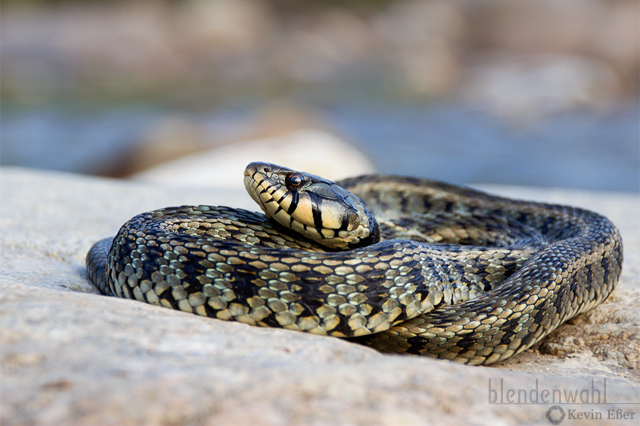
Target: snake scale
point(402, 264)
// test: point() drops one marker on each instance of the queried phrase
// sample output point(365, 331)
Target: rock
point(71, 356)
point(199, 50)
point(542, 26)
point(321, 46)
point(525, 87)
point(422, 42)
point(607, 31)
point(314, 151)
point(282, 130)
point(224, 26)
point(618, 41)
point(140, 46)
point(165, 139)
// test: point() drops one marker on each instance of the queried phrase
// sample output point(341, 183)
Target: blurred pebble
point(415, 47)
point(310, 150)
point(526, 87)
point(422, 41)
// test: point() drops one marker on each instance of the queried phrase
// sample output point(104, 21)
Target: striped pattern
point(316, 208)
point(457, 274)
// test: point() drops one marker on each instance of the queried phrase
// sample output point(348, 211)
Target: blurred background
point(186, 92)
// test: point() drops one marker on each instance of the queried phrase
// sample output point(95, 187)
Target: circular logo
point(555, 414)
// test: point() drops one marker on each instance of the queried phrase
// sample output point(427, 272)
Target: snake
point(401, 264)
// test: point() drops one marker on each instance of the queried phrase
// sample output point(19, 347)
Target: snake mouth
point(314, 207)
point(254, 176)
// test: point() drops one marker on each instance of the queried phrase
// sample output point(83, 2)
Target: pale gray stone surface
point(310, 149)
point(70, 356)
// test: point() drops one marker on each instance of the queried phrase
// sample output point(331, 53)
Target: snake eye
point(294, 180)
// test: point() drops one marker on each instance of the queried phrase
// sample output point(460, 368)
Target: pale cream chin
point(303, 221)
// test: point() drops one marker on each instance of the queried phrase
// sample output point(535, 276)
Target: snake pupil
point(293, 180)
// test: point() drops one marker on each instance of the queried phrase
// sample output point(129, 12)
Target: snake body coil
point(402, 264)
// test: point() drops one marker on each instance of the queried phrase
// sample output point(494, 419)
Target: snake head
point(316, 208)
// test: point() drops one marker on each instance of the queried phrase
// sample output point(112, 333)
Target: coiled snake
point(401, 264)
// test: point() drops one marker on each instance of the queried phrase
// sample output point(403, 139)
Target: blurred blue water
point(578, 150)
point(447, 142)
point(69, 140)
